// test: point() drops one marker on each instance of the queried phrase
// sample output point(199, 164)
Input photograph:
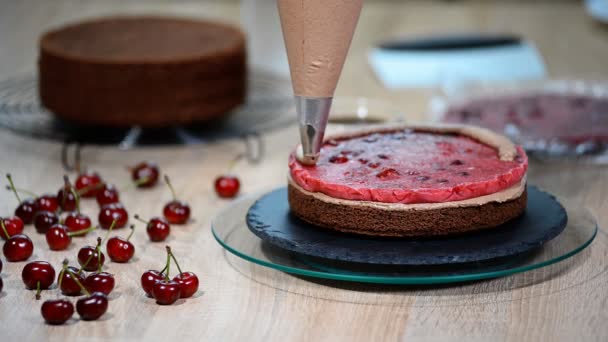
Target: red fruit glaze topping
point(409, 167)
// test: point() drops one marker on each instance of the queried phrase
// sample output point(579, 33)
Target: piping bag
point(317, 36)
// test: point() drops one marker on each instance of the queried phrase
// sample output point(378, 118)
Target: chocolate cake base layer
point(144, 70)
point(365, 220)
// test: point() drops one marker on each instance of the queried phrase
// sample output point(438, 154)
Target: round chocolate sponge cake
point(411, 181)
point(147, 71)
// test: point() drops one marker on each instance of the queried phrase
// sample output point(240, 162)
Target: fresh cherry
point(145, 174)
point(107, 195)
point(227, 186)
point(58, 237)
point(148, 279)
point(18, 247)
point(157, 228)
point(113, 212)
point(91, 258)
point(77, 222)
point(66, 196)
point(99, 282)
point(47, 202)
point(92, 306)
point(166, 292)
point(67, 285)
point(176, 212)
point(44, 220)
point(26, 208)
point(38, 275)
point(13, 225)
point(88, 184)
point(57, 311)
point(119, 249)
point(187, 281)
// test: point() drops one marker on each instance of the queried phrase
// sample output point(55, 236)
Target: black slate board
point(270, 219)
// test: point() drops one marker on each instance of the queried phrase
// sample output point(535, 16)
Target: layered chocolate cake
point(148, 71)
point(411, 181)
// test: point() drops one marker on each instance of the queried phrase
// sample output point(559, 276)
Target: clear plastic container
point(551, 118)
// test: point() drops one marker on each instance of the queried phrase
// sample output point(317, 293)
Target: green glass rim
point(411, 280)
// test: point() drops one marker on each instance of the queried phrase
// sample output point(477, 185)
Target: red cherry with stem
point(157, 228)
point(145, 174)
point(119, 249)
point(17, 247)
point(59, 238)
point(113, 212)
point(227, 186)
point(67, 284)
point(88, 184)
point(99, 282)
point(26, 208)
point(176, 212)
point(93, 305)
point(44, 220)
point(149, 278)
point(91, 258)
point(166, 291)
point(77, 221)
point(57, 311)
point(38, 275)
point(66, 197)
point(13, 225)
point(107, 195)
point(47, 202)
point(187, 281)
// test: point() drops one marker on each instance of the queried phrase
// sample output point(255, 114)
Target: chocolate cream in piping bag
point(317, 36)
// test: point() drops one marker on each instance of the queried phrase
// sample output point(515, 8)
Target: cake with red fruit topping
point(411, 181)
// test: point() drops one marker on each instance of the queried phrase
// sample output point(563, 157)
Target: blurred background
point(413, 55)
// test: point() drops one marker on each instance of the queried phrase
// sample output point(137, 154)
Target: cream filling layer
point(502, 196)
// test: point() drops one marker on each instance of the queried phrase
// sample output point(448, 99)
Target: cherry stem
point(140, 219)
point(67, 186)
point(109, 230)
point(170, 187)
point(141, 181)
point(132, 227)
point(82, 288)
point(168, 267)
point(4, 229)
point(235, 160)
point(82, 232)
point(85, 264)
point(12, 186)
point(163, 270)
point(91, 187)
point(98, 250)
point(63, 268)
point(38, 290)
point(76, 198)
point(27, 192)
point(174, 259)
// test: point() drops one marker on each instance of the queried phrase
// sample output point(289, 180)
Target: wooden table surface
point(242, 301)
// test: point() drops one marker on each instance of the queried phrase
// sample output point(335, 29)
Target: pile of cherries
point(59, 218)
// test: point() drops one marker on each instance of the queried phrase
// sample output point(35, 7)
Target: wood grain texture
point(242, 301)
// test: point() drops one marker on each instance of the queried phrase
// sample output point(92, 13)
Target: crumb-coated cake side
point(143, 70)
point(411, 181)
